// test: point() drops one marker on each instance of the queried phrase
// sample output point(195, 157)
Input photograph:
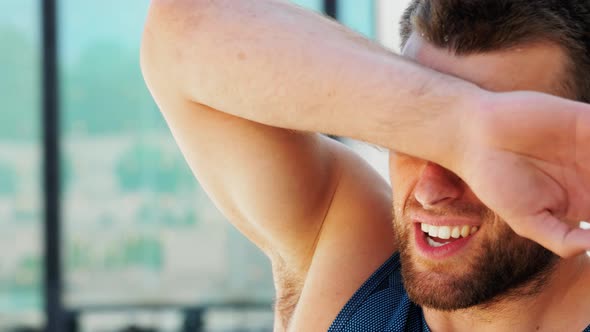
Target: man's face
point(456, 253)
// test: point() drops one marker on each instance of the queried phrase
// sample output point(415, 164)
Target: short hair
point(476, 26)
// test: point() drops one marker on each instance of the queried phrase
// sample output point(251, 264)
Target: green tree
point(104, 92)
point(19, 86)
point(149, 167)
point(8, 179)
point(66, 172)
point(28, 273)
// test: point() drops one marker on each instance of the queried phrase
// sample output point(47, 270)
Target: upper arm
point(273, 184)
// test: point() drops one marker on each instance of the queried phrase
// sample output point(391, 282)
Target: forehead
point(538, 67)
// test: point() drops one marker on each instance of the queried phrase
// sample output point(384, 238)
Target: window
point(138, 228)
point(358, 15)
point(21, 300)
point(315, 5)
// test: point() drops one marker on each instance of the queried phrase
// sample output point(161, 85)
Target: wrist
point(458, 130)
point(473, 110)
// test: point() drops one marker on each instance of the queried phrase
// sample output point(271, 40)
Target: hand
point(530, 163)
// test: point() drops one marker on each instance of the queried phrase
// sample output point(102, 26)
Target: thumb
point(554, 234)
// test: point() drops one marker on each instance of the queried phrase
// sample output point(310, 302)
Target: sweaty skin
point(245, 87)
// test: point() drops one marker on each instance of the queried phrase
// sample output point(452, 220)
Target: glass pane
point(358, 15)
point(163, 320)
point(171, 320)
point(21, 299)
point(138, 227)
point(388, 15)
point(315, 5)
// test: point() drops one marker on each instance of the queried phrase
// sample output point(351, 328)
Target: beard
point(500, 266)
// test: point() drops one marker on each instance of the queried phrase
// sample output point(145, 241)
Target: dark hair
point(472, 26)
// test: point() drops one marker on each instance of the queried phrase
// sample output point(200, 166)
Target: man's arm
point(245, 85)
point(298, 195)
point(276, 64)
point(273, 64)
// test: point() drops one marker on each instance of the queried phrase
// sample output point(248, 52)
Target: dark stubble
point(505, 266)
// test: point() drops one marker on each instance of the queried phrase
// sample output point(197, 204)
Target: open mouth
point(438, 236)
point(442, 241)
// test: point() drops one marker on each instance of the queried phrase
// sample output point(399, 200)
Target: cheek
point(404, 172)
point(500, 231)
point(469, 196)
point(497, 236)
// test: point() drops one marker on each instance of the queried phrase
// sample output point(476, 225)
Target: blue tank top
point(382, 305)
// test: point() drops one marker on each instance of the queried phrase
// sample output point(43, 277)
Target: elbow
point(175, 27)
point(162, 35)
point(181, 6)
point(170, 21)
point(158, 44)
point(177, 43)
point(179, 15)
point(149, 45)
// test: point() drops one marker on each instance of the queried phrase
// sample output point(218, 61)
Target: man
point(246, 85)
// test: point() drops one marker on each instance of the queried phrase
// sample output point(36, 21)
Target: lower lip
point(441, 252)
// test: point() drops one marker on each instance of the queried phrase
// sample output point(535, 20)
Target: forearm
point(270, 62)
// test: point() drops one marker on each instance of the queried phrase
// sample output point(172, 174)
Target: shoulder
point(381, 304)
point(355, 238)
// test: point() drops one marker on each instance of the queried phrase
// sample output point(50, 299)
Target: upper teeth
point(446, 232)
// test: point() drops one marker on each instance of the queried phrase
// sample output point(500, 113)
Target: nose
point(437, 186)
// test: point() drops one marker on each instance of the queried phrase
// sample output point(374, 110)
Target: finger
point(554, 235)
